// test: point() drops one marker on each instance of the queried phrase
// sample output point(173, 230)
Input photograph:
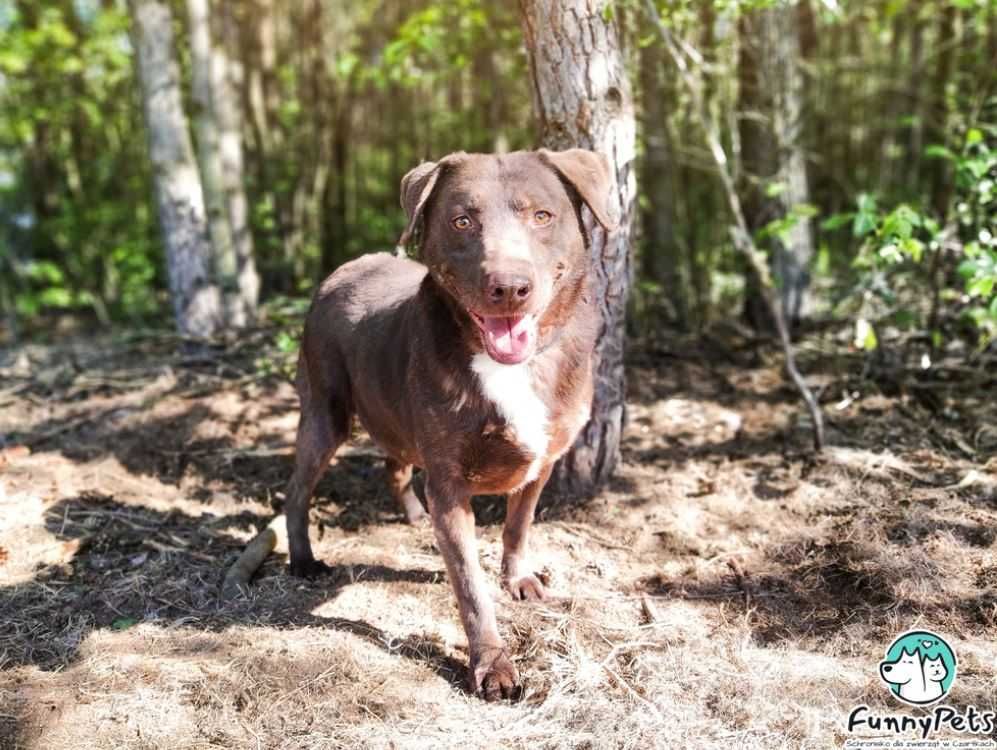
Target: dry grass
point(726, 591)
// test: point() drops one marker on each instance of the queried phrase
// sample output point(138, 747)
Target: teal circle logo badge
point(919, 668)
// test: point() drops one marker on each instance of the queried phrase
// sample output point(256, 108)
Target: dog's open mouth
point(508, 339)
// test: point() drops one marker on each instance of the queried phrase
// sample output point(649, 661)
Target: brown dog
point(476, 366)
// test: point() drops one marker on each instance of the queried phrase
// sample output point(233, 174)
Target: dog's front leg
point(516, 576)
point(491, 673)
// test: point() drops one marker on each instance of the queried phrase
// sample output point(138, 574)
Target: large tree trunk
point(227, 80)
point(196, 299)
point(582, 99)
point(771, 109)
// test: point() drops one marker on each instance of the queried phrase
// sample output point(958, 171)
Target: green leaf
point(55, 296)
point(286, 342)
point(867, 203)
point(822, 266)
point(982, 287)
point(968, 268)
point(974, 136)
point(865, 335)
point(900, 222)
point(863, 224)
point(937, 151)
point(836, 221)
point(912, 248)
point(123, 623)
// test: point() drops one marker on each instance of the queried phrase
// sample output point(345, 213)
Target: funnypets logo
point(919, 670)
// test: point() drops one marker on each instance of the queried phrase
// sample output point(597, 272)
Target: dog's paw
point(309, 568)
point(494, 676)
point(525, 588)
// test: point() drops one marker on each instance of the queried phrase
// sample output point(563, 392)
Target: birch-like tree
point(197, 303)
point(227, 81)
point(209, 153)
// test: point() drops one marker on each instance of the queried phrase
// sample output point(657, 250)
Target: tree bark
point(915, 66)
point(937, 120)
point(335, 219)
point(771, 109)
point(227, 80)
point(581, 98)
point(209, 156)
point(196, 299)
point(663, 259)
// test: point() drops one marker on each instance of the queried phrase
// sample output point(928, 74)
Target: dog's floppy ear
point(588, 173)
point(417, 186)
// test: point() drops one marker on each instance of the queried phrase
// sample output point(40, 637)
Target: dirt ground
point(727, 590)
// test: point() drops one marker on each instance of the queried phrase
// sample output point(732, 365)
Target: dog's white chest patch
point(510, 388)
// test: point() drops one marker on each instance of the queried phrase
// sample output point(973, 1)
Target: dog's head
point(905, 668)
point(503, 236)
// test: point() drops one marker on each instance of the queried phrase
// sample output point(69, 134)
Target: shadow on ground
point(131, 564)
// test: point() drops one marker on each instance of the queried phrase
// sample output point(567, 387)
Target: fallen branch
point(260, 546)
point(679, 50)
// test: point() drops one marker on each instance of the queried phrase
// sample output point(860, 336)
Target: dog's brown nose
point(506, 288)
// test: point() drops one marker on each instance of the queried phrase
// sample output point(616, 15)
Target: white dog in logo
point(917, 681)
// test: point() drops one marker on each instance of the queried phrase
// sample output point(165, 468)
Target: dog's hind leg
point(400, 483)
point(324, 425)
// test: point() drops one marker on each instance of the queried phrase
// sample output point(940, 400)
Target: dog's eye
point(461, 223)
point(542, 218)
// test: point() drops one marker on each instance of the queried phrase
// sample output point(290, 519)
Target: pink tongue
point(509, 336)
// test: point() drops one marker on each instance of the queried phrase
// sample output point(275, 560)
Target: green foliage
point(904, 249)
point(363, 91)
point(77, 231)
point(432, 43)
point(979, 273)
point(780, 228)
point(278, 355)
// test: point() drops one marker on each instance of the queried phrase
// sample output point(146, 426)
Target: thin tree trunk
point(771, 103)
point(945, 43)
point(227, 80)
point(992, 34)
point(196, 299)
point(663, 259)
point(890, 127)
point(582, 99)
point(915, 138)
point(334, 201)
point(202, 63)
